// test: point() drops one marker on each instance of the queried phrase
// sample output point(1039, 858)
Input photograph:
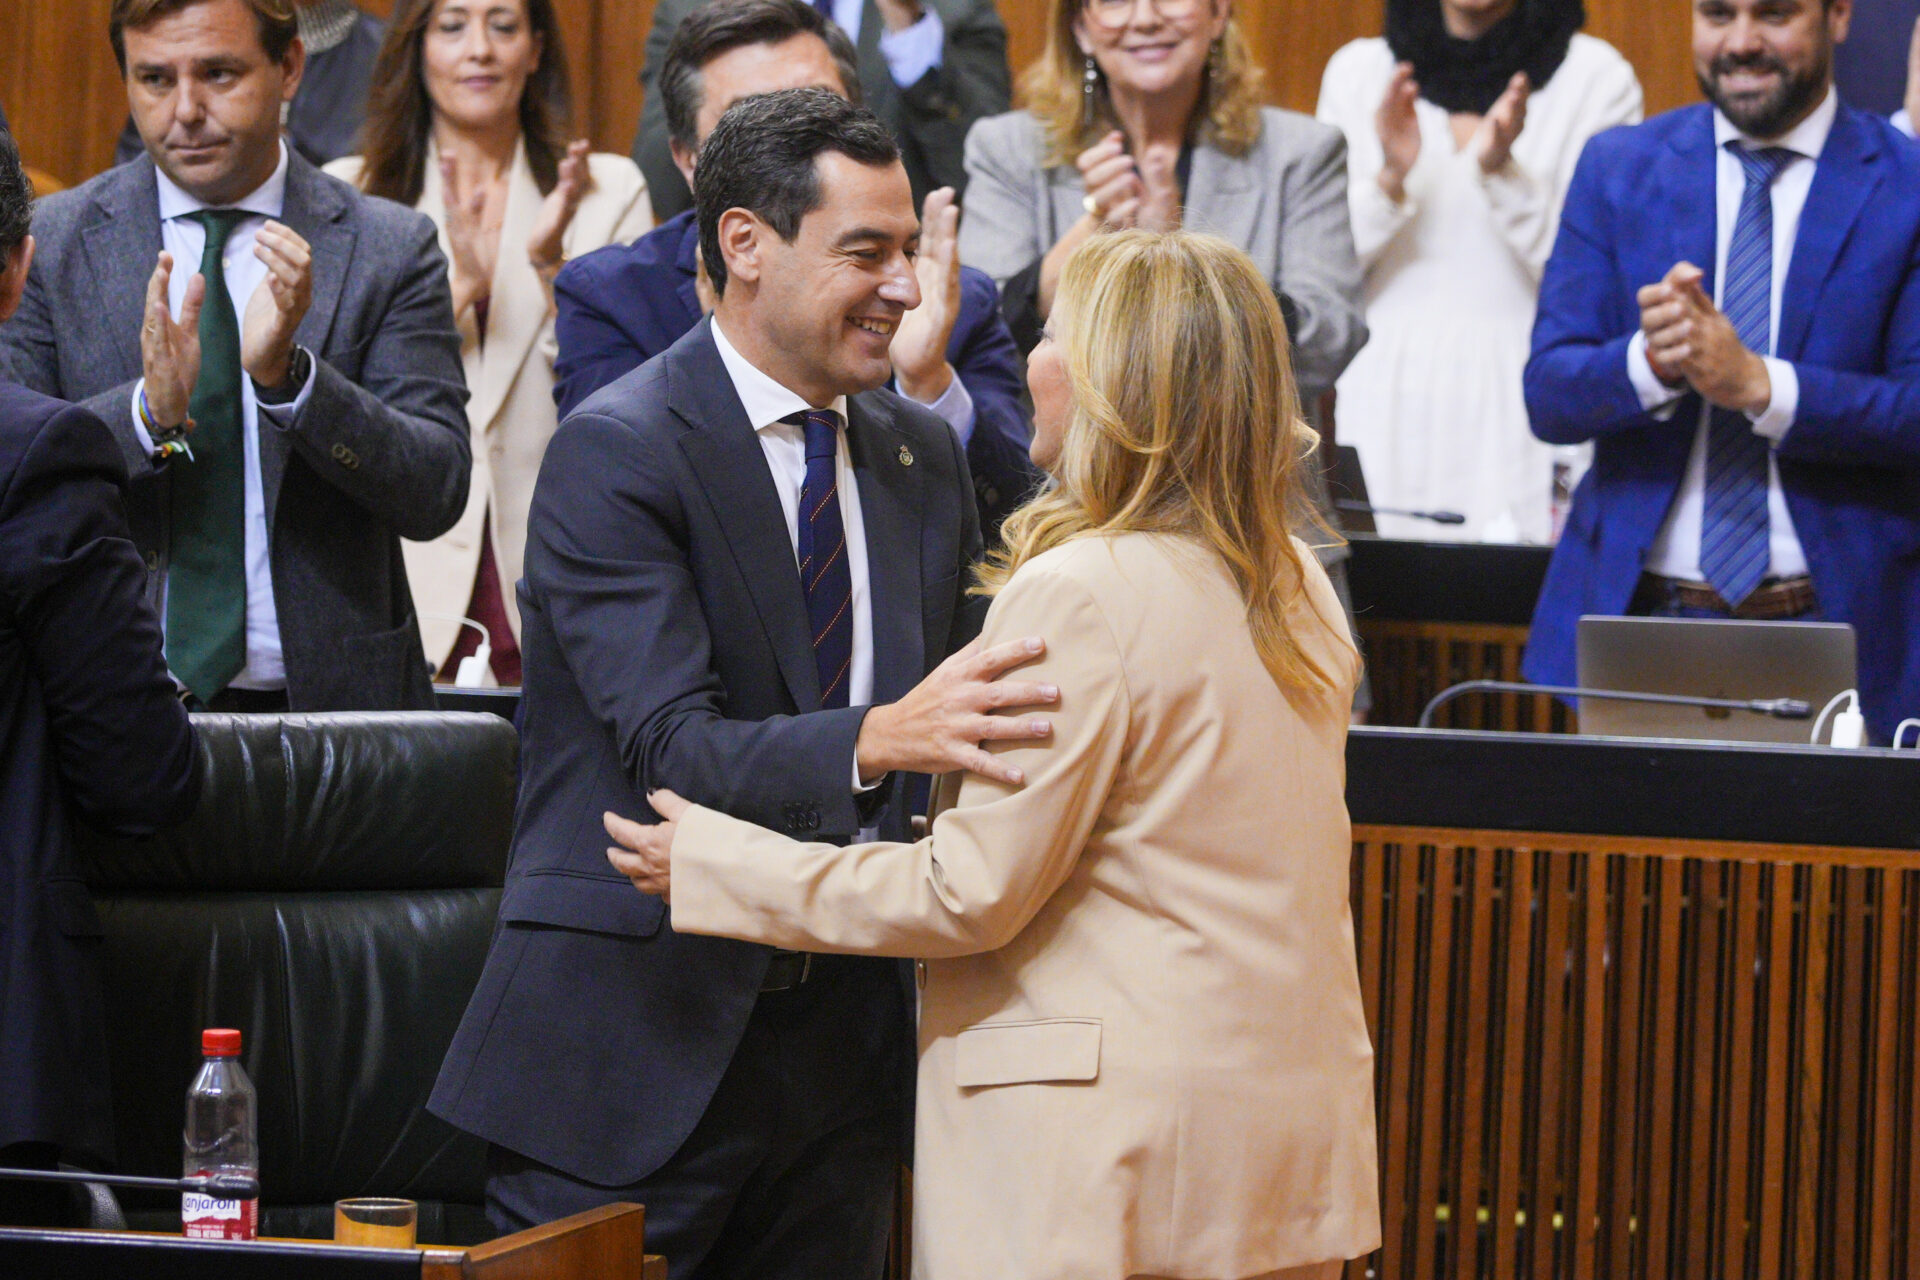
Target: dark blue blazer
point(90, 728)
point(1642, 199)
point(665, 641)
point(622, 305)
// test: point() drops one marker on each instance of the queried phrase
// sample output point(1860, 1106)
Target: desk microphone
point(1368, 509)
point(1779, 708)
point(221, 1186)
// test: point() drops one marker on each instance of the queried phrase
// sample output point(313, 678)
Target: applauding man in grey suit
point(277, 357)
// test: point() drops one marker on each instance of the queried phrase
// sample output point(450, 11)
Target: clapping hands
point(1691, 342)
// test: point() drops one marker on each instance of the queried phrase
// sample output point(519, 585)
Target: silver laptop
point(1711, 658)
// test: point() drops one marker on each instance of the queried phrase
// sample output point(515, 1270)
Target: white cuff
point(140, 432)
point(861, 788)
point(955, 406)
point(1777, 419)
point(283, 415)
point(911, 53)
point(1903, 122)
point(1656, 397)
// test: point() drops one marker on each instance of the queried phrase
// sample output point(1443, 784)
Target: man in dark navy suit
point(743, 562)
point(622, 305)
point(1732, 315)
point(90, 727)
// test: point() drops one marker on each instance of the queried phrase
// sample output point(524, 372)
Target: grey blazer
point(1284, 202)
point(379, 452)
point(930, 119)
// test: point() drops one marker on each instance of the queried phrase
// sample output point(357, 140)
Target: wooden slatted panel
point(1471, 1093)
point(1625, 1041)
point(1701, 971)
point(1509, 1199)
point(1437, 982)
point(1884, 1037)
point(1643, 1063)
point(1410, 662)
point(1592, 1020)
point(1745, 919)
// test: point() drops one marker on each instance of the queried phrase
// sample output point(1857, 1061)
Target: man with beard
point(1732, 315)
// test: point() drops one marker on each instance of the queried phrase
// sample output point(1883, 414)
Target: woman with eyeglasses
point(1146, 114)
point(1463, 125)
point(468, 124)
point(1143, 1051)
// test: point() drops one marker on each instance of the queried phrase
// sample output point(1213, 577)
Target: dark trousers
point(790, 1173)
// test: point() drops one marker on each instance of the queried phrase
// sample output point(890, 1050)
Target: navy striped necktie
point(824, 574)
point(1736, 543)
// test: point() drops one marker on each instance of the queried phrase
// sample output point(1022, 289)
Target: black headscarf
point(1470, 75)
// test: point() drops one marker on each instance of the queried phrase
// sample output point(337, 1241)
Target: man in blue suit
point(1732, 315)
point(622, 305)
point(747, 567)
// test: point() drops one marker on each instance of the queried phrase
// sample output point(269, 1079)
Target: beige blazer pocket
point(1051, 1049)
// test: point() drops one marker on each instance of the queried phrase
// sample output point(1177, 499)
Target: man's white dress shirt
point(785, 445)
point(1676, 551)
point(186, 239)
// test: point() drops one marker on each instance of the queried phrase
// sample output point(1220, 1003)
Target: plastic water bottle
point(221, 1137)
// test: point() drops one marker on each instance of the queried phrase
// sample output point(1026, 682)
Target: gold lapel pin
point(906, 456)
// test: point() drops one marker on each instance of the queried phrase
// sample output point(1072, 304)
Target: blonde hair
point(1185, 420)
point(1054, 91)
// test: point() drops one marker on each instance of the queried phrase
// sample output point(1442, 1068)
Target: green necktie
point(207, 571)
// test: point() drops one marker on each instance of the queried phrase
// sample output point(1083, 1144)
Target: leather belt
point(787, 970)
point(1774, 598)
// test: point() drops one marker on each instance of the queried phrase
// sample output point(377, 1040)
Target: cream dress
point(1433, 402)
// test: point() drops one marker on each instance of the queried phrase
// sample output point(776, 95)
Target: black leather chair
point(333, 898)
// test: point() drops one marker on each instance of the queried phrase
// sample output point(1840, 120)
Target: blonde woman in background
point(1463, 125)
point(468, 124)
point(1142, 1046)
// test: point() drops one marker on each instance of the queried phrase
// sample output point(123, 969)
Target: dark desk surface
point(1600, 786)
point(1634, 787)
point(1470, 582)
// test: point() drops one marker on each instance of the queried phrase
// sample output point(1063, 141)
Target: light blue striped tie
point(1735, 542)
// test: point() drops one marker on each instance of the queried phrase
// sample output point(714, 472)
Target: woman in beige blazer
point(468, 125)
point(1142, 1047)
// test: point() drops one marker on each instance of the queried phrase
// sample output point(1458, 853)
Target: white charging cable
point(1849, 727)
point(473, 668)
point(1900, 730)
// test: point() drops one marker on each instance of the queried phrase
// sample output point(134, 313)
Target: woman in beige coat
point(468, 125)
point(1142, 1047)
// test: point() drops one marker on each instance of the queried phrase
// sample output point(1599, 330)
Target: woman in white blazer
point(468, 125)
point(1142, 1046)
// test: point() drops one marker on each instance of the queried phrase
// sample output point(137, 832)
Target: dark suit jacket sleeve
point(971, 82)
point(30, 348)
point(1860, 418)
point(595, 348)
point(395, 437)
point(985, 357)
point(969, 610)
point(1576, 378)
point(608, 559)
point(77, 590)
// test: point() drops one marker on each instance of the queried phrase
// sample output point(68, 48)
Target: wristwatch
point(299, 368)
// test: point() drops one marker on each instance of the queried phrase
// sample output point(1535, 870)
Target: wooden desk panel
point(1641, 1058)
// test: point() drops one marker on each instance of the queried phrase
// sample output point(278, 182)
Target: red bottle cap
point(220, 1042)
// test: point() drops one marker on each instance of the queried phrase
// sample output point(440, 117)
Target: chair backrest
point(332, 897)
